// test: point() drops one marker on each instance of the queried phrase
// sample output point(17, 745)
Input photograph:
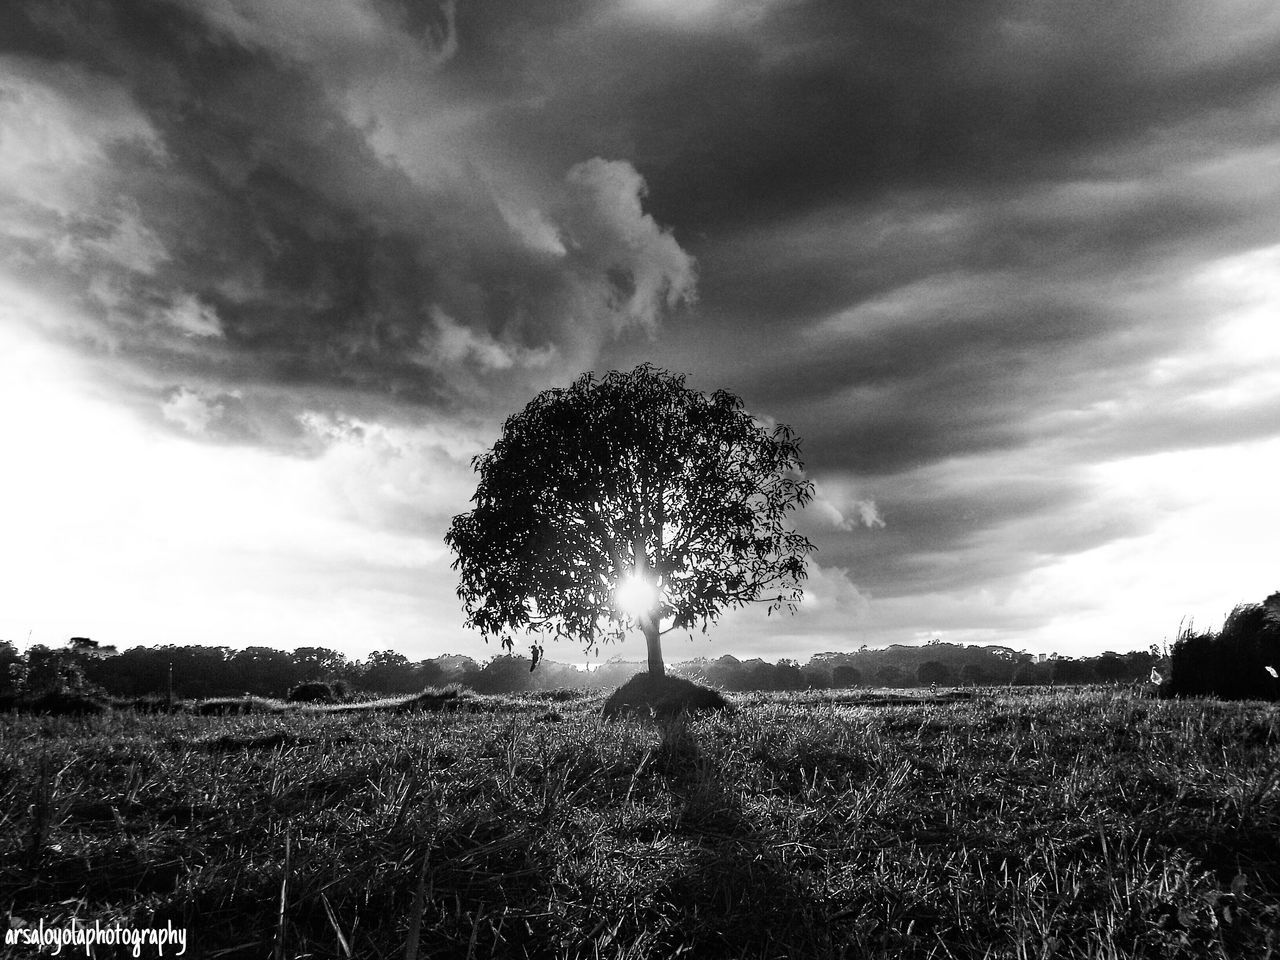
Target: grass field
point(1007, 824)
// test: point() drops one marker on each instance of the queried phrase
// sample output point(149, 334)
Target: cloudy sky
point(273, 271)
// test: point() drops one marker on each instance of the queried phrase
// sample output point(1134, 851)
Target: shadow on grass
point(732, 891)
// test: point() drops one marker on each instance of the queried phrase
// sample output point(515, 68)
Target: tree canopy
point(629, 500)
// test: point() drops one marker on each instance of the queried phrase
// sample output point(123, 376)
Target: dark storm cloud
point(288, 245)
point(967, 237)
point(750, 118)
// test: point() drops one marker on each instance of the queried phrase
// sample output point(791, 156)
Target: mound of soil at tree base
point(648, 696)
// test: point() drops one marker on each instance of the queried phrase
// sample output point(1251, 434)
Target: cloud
point(615, 241)
point(838, 508)
point(253, 227)
point(56, 120)
point(454, 343)
point(191, 410)
point(976, 255)
point(194, 318)
point(410, 480)
point(832, 610)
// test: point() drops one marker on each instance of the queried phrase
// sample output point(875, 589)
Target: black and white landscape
point(924, 353)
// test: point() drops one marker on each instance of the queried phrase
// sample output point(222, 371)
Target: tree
point(889, 675)
point(11, 667)
point(318, 663)
point(46, 670)
point(934, 671)
point(846, 676)
point(1240, 662)
point(504, 674)
point(629, 500)
point(787, 675)
point(386, 671)
point(1110, 667)
point(262, 671)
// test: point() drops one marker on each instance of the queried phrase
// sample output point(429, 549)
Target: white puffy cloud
point(194, 318)
point(191, 410)
point(636, 268)
point(402, 478)
point(456, 344)
point(837, 505)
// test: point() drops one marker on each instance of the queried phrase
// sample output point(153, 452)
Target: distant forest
point(199, 672)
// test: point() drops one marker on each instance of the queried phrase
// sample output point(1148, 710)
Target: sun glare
point(635, 595)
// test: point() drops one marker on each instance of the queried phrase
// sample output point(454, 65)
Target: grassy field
point(1005, 824)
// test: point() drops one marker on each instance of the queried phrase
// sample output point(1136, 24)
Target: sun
point(635, 595)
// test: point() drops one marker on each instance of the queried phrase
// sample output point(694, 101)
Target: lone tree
point(629, 500)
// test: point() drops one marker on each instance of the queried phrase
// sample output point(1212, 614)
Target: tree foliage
point(935, 671)
point(1241, 661)
point(632, 474)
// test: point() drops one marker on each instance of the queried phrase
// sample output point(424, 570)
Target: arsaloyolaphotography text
point(631, 479)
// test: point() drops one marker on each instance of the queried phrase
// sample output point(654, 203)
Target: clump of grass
point(1062, 824)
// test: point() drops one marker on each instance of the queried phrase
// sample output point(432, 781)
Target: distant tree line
point(198, 672)
point(944, 664)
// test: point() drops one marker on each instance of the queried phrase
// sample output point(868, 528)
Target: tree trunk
point(649, 624)
point(648, 621)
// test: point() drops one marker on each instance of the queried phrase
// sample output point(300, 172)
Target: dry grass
point(1004, 825)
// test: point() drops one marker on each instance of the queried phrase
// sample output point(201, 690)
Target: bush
point(433, 700)
point(313, 691)
point(1232, 664)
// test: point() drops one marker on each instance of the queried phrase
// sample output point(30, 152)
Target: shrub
point(313, 691)
point(1232, 664)
point(436, 700)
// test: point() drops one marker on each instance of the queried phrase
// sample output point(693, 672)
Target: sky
point(273, 271)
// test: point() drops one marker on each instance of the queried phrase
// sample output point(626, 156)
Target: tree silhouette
point(934, 671)
point(890, 676)
point(629, 500)
point(846, 676)
point(1240, 662)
